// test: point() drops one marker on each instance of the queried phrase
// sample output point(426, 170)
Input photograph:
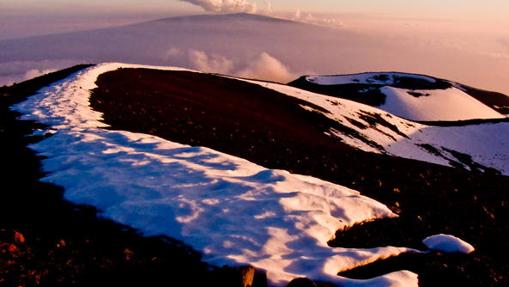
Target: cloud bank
point(201, 61)
point(262, 67)
point(224, 6)
point(18, 71)
point(30, 74)
point(266, 67)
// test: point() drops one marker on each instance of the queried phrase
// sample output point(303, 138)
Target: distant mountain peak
point(230, 17)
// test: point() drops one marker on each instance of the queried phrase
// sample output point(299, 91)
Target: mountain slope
point(414, 97)
point(373, 130)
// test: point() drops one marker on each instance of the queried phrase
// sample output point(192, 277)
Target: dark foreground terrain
point(271, 129)
point(46, 241)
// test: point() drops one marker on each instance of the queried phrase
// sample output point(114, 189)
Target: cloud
point(225, 6)
point(297, 15)
point(262, 67)
point(320, 19)
point(504, 43)
point(210, 63)
point(268, 6)
point(173, 52)
point(18, 71)
point(33, 73)
point(266, 67)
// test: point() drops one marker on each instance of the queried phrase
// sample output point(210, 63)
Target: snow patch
point(436, 105)
point(448, 244)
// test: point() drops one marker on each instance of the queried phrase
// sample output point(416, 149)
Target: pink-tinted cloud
point(262, 67)
point(210, 63)
point(225, 6)
point(266, 67)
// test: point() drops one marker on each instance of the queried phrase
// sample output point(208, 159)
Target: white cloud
point(262, 67)
point(33, 73)
point(173, 52)
point(297, 15)
point(266, 67)
point(225, 6)
point(268, 6)
point(210, 63)
point(504, 43)
point(18, 71)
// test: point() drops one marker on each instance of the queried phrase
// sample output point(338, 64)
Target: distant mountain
point(415, 97)
point(237, 37)
point(236, 17)
point(234, 41)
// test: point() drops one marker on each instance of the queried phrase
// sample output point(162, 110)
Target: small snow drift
point(414, 97)
point(448, 244)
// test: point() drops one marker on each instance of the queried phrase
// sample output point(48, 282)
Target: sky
point(21, 18)
point(473, 9)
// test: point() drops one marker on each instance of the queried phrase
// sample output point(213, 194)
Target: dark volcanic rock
point(362, 93)
point(301, 282)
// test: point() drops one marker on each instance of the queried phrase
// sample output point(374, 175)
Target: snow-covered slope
point(474, 147)
point(414, 97)
point(232, 210)
point(435, 105)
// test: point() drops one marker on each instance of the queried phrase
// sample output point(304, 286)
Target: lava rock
point(301, 282)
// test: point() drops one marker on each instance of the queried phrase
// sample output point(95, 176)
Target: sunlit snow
point(448, 244)
point(436, 105)
point(451, 104)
